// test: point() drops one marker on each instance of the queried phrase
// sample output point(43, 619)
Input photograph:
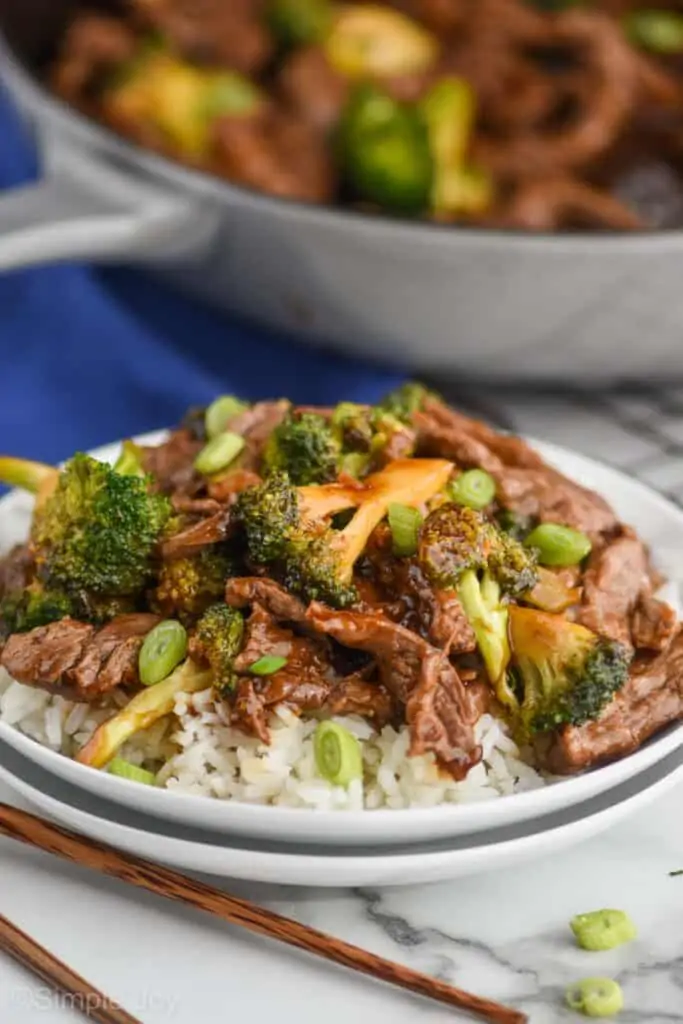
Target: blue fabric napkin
point(89, 356)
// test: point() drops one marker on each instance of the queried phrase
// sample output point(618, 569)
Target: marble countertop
point(502, 935)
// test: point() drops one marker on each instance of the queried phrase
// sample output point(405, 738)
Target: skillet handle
point(81, 210)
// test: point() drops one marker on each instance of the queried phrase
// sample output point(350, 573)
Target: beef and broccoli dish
point(538, 115)
point(357, 606)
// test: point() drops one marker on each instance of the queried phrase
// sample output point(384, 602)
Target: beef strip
point(304, 683)
point(651, 699)
point(196, 507)
point(436, 419)
point(225, 487)
point(524, 483)
point(310, 86)
point(242, 591)
point(353, 694)
point(211, 530)
point(16, 570)
point(399, 588)
point(615, 577)
point(171, 463)
point(276, 153)
point(549, 496)
point(94, 44)
point(212, 31)
point(439, 709)
point(617, 600)
point(356, 696)
point(454, 441)
point(653, 624)
point(77, 660)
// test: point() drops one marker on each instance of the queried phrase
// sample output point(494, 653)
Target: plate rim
point(258, 866)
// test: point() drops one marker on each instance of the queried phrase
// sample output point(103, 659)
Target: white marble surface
point(503, 935)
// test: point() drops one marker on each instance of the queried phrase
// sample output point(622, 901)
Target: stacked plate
point(359, 848)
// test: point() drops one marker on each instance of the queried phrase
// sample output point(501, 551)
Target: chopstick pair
point(34, 831)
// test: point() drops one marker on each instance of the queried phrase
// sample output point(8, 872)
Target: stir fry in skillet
point(534, 114)
point(276, 598)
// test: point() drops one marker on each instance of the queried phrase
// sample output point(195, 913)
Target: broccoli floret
point(299, 549)
point(304, 446)
point(217, 641)
point(314, 567)
point(455, 539)
point(289, 530)
point(188, 585)
point(461, 550)
point(22, 611)
point(403, 402)
point(269, 514)
point(98, 531)
point(564, 673)
point(312, 449)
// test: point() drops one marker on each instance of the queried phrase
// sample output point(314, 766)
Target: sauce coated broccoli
point(25, 610)
point(461, 550)
point(188, 585)
point(305, 447)
point(565, 674)
point(217, 642)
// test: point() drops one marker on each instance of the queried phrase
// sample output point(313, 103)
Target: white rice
point(197, 751)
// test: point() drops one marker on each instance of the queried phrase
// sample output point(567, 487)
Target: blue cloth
point(89, 356)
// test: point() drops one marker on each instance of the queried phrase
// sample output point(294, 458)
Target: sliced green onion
point(475, 488)
point(660, 31)
point(128, 462)
point(404, 523)
point(162, 649)
point(267, 665)
point(219, 453)
point(220, 412)
point(338, 755)
point(595, 997)
point(126, 770)
point(603, 929)
point(558, 545)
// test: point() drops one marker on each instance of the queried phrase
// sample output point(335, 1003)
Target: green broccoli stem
point(481, 602)
point(35, 477)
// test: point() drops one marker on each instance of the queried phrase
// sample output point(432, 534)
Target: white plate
point(659, 523)
point(434, 861)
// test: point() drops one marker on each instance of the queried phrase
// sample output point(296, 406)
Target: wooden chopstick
point(35, 831)
point(81, 994)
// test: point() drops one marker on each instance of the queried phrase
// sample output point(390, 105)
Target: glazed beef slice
point(651, 699)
